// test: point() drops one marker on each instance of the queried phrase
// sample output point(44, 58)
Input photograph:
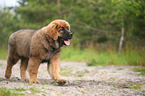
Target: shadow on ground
point(50, 82)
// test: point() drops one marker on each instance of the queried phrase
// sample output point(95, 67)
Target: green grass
point(7, 92)
point(35, 90)
point(75, 54)
point(141, 70)
point(19, 89)
point(94, 58)
point(132, 85)
point(3, 54)
point(120, 69)
point(137, 86)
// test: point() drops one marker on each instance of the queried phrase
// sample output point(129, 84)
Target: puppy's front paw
point(61, 82)
point(33, 81)
point(25, 79)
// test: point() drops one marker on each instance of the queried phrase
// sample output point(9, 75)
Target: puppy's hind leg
point(23, 68)
point(11, 61)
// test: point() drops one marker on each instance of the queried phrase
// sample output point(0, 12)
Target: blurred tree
point(8, 25)
point(36, 13)
point(94, 22)
point(128, 12)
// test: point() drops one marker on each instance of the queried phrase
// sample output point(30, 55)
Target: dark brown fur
point(34, 47)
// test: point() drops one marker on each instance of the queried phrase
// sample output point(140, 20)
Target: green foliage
point(34, 90)
point(19, 89)
point(96, 63)
point(94, 20)
point(7, 26)
point(3, 54)
point(141, 70)
point(132, 13)
point(75, 54)
point(137, 86)
point(120, 69)
point(7, 92)
point(95, 58)
point(96, 25)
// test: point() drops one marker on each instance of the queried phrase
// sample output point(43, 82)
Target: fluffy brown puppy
point(36, 46)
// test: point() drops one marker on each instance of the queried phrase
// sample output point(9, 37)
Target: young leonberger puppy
point(36, 46)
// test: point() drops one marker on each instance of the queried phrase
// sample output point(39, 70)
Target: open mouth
point(66, 42)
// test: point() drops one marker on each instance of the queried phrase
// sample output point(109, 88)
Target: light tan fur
point(34, 46)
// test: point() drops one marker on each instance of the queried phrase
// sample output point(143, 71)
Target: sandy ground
point(82, 81)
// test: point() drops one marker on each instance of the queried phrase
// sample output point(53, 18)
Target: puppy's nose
point(70, 35)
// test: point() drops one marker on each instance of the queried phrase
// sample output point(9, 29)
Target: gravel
point(82, 81)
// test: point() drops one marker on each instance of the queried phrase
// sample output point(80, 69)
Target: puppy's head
point(59, 29)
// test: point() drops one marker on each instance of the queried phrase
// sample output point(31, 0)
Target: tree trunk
point(58, 6)
point(121, 39)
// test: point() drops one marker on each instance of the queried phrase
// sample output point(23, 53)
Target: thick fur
point(34, 47)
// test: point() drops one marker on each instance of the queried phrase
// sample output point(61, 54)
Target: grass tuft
point(19, 89)
point(137, 86)
point(141, 70)
point(6, 92)
point(34, 90)
point(95, 58)
point(120, 69)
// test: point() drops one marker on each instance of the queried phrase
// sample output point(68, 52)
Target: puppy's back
point(20, 41)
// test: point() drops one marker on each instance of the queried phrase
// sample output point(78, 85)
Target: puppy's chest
point(49, 53)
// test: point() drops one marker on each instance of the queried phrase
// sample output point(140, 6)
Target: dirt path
point(82, 81)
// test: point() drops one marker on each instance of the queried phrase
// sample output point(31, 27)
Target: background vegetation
point(96, 24)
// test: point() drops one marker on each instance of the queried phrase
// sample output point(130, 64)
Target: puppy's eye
point(67, 28)
point(61, 30)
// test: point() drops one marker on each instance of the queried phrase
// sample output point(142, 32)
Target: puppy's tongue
point(67, 42)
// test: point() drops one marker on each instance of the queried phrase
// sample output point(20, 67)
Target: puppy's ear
point(52, 31)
